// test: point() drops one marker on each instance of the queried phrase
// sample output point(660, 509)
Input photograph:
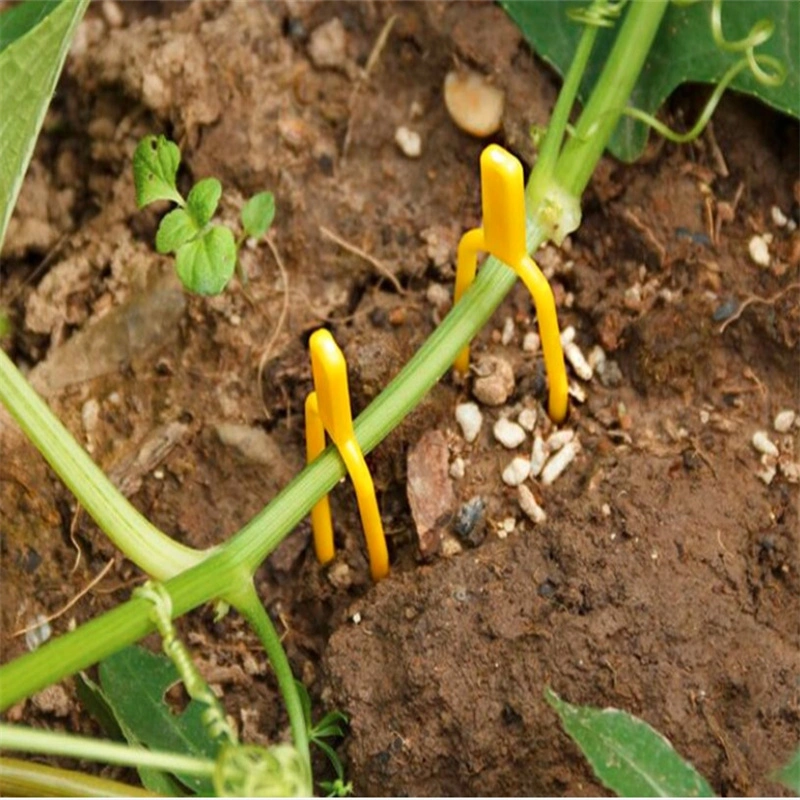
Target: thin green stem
point(135, 536)
point(29, 740)
point(249, 605)
point(27, 779)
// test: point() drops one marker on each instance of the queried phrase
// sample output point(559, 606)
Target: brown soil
point(666, 579)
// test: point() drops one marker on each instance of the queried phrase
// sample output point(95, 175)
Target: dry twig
point(753, 299)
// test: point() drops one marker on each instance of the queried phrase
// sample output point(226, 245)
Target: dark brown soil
point(666, 579)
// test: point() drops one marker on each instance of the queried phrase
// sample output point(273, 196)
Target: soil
point(665, 579)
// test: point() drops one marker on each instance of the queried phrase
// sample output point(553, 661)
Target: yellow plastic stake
point(503, 235)
point(328, 410)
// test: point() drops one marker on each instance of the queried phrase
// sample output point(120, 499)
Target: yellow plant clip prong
point(503, 236)
point(328, 410)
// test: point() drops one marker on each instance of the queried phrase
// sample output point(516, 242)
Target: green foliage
point(21, 18)
point(155, 168)
point(206, 264)
point(684, 51)
point(29, 70)
point(329, 727)
point(258, 213)
point(627, 755)
point(789, 775)
point(133, 683)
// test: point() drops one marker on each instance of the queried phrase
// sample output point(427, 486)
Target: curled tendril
point(250, 771)
point(600, 13)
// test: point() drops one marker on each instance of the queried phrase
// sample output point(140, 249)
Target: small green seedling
point(205, 254)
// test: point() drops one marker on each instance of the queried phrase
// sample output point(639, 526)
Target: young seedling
point(206, 254)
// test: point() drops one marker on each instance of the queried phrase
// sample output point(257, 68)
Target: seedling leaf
point(29, 70)
point(134, 681)
point(626, 754)
point(203, 199)
point(175, 229)
point(258, 213)
point(683, 52)
point(789, 775)
point(155, 165)
point(206, 264)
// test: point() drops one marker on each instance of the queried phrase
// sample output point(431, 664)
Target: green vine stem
point(30, 740)
point(29, 779)
point(135, 536)
point(225, 571)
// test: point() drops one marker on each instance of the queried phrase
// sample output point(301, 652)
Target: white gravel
point(538, 456)
point(509, 434)
point(559, 462)
point(764, 444)
point(470, 419)
point(759, 250)
point(784, 420)
point(517, 471)
point(527, 502)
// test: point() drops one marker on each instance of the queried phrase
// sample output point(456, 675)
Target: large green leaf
point(134, 682)
point(19, 19)
point(789, 776)
point(29, 70)
point(627, 755)
point(683, 51)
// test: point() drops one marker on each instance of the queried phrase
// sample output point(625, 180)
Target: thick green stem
point(29, 740)
point(135, 536)
point(29, 779)
point(248, 604)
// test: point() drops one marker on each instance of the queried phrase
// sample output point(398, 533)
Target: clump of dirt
point(663, 578)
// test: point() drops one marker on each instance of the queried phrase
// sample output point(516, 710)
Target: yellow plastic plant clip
point(503, 235)
point(328, 410)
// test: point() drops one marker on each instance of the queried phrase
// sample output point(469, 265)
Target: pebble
point(112, 13)
point(768, 471)
point(517, 471)
point(339, 575)
point(409, 142)
point(470, 419)
point(576, 392)
point(559, 462)
point(596, 357)
point(784, 420)
point(469, 523)
point(558, 439)
point(438, 295)
point(328, 44)
point(764, 444)
point(474, 104)
point(790, 470)
point(508, 332)
point(458, 469)
point(609, 373)
point(531, 342)
point(538, 456)
point(53, 700)
point(575, 356)
point(759, 251)
point(495, 381)
point(527, 502)
point(509, 434)
point(506, 526)
point(527, 419)
point(38, 635)
point(567, 335)
point(778, 217)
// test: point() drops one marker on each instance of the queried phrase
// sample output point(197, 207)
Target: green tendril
point(599, 14)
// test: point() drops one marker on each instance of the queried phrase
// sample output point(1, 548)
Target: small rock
point(473, 103)
point(328, 45)
point(508, 433)
point(531, 342)
point(470, 419)
point(517, 471)
point(529, 506)
point(576, 392)
point(506, 526)
point(495, 381)
point(759, 251)
point(609, 373)
point(558, 439)
point(538, 456)
point(339, 575)
point(764, 444)
point(458, 469)
point(450, 546)
point(53, 700)
point(527, 419)
point(508, 332)
point(430, 490)
point(252, 442)
point(409, 142)
point(559, 462)
point(790, 470)
point(784, 420)
point(39, 634)
point(470, 523)
point(769, 468)
point(778, 217)
point(90, 416)
point(596, 357)
point(438, 296)
point(575, 356)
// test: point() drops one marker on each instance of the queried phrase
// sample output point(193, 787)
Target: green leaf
point(206, 264)
point(203, 199)
point(177, 228)
point(19, 19)
point(626, 754)
point(155, 165)
point(683, 52)
point(789, 775)
point(29, 70)
point(258, 213)
point(134, 681)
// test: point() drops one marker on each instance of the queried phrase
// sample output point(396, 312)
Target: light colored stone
point(575, 356)
point(527, 419)
point(556, 465)
point(508, 332)
point(409, 142)
point(759, 251)
point(508, 433)
point(538, 456)
point(53, 700)
point(558, 439)
point(517, 471)
point(474, 104)
point(531, 342)
point(764, 444)
point(527, 502)
point(494, 383)
point(327, 47)
point(778, 217)
point(458, 469)
point(470, 420)
point(784, 420)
